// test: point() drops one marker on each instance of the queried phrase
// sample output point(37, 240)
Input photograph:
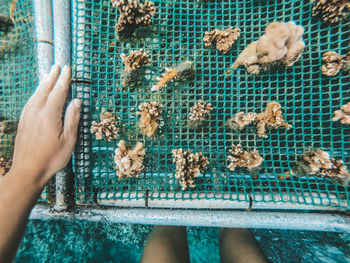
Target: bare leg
point(238, 245)
point(166, 244)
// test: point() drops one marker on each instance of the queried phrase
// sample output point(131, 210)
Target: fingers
point(71, 121)
point(46, 85)
point(58, 94)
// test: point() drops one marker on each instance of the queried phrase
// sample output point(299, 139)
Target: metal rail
point(209, 218)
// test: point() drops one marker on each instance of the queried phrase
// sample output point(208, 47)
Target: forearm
point(18, 194)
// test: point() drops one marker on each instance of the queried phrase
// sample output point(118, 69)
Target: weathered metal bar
point(304, 201)
point(209, 218)
point(62, 57)
point(44, 36)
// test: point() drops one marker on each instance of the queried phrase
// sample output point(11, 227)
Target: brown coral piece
point(182, 71)
point(282, 44)
point(106, 126)
point(240, 120)
point(189, 165)
point(343, 114)
point(5, 165)
point(334, 63)
point(132, 62)
point(239, 158)
point(331, 10)
point(271, 118)
point(129, 162)
point(224, 38)
point(321, 163)
point(150, 115)
point(132, 15)
point(200, 110)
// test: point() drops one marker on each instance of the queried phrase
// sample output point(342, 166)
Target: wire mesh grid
point(18, 76)
point(308, 100)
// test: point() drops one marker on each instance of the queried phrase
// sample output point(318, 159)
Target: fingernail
point(54, 67)
point(65, 68)
point(77, 103)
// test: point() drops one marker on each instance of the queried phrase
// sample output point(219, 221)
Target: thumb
point(71, 121)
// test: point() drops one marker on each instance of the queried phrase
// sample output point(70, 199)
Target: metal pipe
point(303, 201)
point(62, 51)
point(43, 35)
point(209, 218)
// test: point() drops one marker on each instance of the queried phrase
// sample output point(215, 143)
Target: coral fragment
point(281, 44)
point(133, 62)
point(224, 38)
point(106, 126)
point(239, 158)
point(5, 165)
point(182, 71)
point(331, 10)
point(200, 110)
point(189, 165)
point(132, 15)
point(343, 114)
point(129, 162)
point(240, 120)
point(334, 63)
point(150, 115)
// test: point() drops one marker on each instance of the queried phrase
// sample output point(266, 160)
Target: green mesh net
point(18, 76)
point(308, 100)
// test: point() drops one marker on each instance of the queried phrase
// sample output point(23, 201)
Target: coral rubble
point(132, 15)
point(5, 165)
point(272, 117)
point(132, 62)
point(239, 158)
point(129, 162)
point(334, 63)
point(189, 165)
point(106, 126)
point(281, 44)
point(343, 114)
point(224, 38)
point(200, 111)
point(150, 115)
point(182, 71)
point(331, 10)
point(319, 162)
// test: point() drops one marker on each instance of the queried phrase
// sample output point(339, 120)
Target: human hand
point(44, 144)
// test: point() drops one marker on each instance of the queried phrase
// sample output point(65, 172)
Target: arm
point(43, 146)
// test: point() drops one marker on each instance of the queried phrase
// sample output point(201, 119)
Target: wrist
point(30, 178)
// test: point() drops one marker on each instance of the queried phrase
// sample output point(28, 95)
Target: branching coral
point(240, 120)
point(331, 10)
point(150, 115)
point(132, 62)
point(343, 114)
point(239, 158)
point(334, 63)
point(189, 165)
point(270, 118)
point(129, 162)
point(199, 111)
point(321, 163)
point(224, 39)
point(106, 126)
point(132, 15)
point(182, 71)
point(282, 44)
point(5, 165)
point(8, 127)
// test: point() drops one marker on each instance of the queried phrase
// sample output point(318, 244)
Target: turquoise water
point(78, 241)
